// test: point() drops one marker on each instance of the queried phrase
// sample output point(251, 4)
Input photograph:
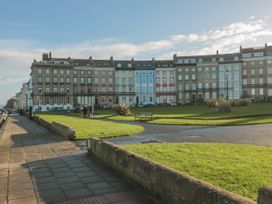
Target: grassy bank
point(87, 128)
point(242, 169)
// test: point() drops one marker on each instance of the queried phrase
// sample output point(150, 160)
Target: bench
point(144, 116)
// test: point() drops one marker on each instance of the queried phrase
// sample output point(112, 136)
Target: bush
point(211, 103)
point(239, 102)
point(122, 109)
point(223, 105)
point(77, 109)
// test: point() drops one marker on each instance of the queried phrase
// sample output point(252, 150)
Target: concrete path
point(248, 134)
point(39, 167)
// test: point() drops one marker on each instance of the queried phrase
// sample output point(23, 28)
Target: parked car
point(4, 113)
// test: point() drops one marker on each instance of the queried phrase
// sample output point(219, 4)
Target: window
point(186, 77)
point(193, 86)
point(61, 80)
point(110, 80)
point(39, 79)
point(47, 71)
point(55, 90)
point(129, 65)
point(39, 71)
point(55, 80)
point(47, 80)
point(55, 71)
point(244, 72)
point(261, 80)
point(62, 90)
point(89, 80)
point(179, 77)
point(207, 85)
point(68, 90)
point(61, 71)
point(213, 76)
point(269, 92)
point(253, 81)
point(47, 90)
point(75, 72)
point(82, 80)
point(68, 80)
point(39, 90)
point(213, 85)
point(164, 80)
point(119, 65)
point(89, 72)
point(269, 70)
point(252, 71)
point(253, 92)
point(270, 80)
point(199, 69)
point(261, 92)
point(200, 85)
point(75, 79)
point(68, 72)
point(261, 71)
point(244, 81)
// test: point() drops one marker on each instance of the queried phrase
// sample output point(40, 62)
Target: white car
point(3, 114)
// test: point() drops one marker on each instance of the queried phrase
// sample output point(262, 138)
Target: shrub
point(122, 109)
point(77, 109)
point(211, 103)
point(223, 105)
point(239, 102)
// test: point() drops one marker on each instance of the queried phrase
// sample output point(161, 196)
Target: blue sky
point(123, 29)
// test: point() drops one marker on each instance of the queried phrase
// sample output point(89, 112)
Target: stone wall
point(265, 195)
point(61, 129)
point(64, 130)
point(170, 185)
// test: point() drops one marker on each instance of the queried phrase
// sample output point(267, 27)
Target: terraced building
point(66, 83)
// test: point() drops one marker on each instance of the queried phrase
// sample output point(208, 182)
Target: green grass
point(242, 169)
point(223, 122)
point(200, 115)
point(87, 128)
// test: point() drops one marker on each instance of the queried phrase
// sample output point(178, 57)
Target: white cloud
point(17, 55)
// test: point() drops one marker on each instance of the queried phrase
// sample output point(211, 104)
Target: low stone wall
point(265, 195)
point(170, 185)
point(43, 122)
point(64, 130)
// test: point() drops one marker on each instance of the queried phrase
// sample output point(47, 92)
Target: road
point(249, 134)
point(38, 166)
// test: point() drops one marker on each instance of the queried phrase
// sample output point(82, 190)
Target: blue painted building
point(145, 87)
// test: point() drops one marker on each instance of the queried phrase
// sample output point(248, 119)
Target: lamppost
point(227, 74)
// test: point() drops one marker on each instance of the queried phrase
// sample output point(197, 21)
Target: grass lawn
point(242, 169)
point(87, 128)
point(200, 115)
point(211, 122)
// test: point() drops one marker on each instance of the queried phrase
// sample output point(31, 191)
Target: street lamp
point(227, 74)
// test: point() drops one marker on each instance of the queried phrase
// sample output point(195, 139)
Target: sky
point(123, 29)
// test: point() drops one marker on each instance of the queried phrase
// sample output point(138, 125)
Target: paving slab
point(38, 166)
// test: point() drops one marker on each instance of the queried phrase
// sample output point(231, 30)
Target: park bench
point(143, 116)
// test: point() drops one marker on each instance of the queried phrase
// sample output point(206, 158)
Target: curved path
point(248, 134)
point(37, 166)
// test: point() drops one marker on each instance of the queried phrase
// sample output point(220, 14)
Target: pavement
point(247, 134)
point(38, 166)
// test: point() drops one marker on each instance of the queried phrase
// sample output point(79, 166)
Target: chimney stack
point(217, 52)
point(50, 55)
